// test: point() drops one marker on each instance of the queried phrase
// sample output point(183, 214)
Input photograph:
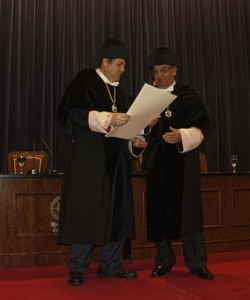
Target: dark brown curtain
point(43, 43)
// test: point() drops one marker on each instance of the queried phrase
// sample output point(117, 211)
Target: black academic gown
point(96, 200)
point(173, 194)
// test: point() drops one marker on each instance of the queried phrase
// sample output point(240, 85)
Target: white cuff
point(99, 121)
point(191, 138)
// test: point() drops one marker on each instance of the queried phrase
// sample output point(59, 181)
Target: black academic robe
point(96, 200)
point(173, 196)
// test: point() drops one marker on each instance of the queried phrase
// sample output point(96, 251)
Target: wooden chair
point(37, 160)
point(203, 163)
point(137, 163)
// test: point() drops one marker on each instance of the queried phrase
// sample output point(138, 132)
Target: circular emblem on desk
point(55, 207)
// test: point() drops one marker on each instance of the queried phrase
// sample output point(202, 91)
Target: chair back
point(37, 160)
point(138, 162)
point(203, 163)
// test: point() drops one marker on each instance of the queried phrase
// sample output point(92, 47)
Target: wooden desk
point(226, 205)
point(29, 216)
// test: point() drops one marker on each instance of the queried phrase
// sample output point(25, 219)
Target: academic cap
point(161, 56)
point(113, 49)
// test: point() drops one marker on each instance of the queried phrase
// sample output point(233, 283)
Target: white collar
point(170, 88)
point(105, 79)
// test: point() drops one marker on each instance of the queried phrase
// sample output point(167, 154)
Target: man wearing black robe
point(174, 207)
point(96, 200)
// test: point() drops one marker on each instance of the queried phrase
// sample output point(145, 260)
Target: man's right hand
point(138, 143)
point(119, 119)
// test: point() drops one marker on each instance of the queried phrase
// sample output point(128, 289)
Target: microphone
point(51, 158)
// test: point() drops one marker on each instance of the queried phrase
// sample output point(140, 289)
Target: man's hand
point(172, 137)
point(154, 121)
point(138, 143)
point(119, 119)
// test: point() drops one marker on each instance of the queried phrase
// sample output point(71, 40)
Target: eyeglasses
point(164, 70)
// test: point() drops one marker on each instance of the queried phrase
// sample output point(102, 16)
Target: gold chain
point(114, 108)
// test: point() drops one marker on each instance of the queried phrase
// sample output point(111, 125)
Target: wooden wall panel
point(29, 207)
point(226, 205)
point(211, 200)
point(234, 192)
point(239, 211)
point(33, 216)
point(29, 214)
point(141, 247)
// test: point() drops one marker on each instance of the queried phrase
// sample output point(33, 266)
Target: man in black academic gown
point(174, 208)
point(96, 200)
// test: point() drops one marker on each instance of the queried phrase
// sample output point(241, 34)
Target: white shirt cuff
point(191, 138)
point(99, 121)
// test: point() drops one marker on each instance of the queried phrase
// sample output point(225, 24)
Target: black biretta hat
point(113, 49)
point(162, 56)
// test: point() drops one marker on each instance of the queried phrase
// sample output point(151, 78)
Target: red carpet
point(231, 270)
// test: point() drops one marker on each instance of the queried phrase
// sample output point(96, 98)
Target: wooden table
point(29, 207)
point(226, 206)
point(29, 216)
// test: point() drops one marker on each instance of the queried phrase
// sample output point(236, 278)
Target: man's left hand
point(172, 137)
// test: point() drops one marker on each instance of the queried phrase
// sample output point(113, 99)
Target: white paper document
point(149, 103)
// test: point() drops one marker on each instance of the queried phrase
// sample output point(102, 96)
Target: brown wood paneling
point(240, 203)
point(226, 205)
point(141, 247)
point(212, 208)
point(29, 214)
point(234, 190)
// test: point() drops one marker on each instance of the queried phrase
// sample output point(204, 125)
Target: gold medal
point(168, 113)
point(114, 108)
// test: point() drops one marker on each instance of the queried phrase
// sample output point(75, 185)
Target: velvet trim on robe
point(96, 201)
point(173, 194)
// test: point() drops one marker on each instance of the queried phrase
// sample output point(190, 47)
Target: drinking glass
point(21, 159)
point(234, 161)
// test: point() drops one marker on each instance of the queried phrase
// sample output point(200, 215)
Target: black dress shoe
point(120, 274)
point(203, 273)
point(75, 278)
point(160, 271)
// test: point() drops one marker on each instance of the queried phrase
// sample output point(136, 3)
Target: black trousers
point(109, 257)
point(194, 250)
